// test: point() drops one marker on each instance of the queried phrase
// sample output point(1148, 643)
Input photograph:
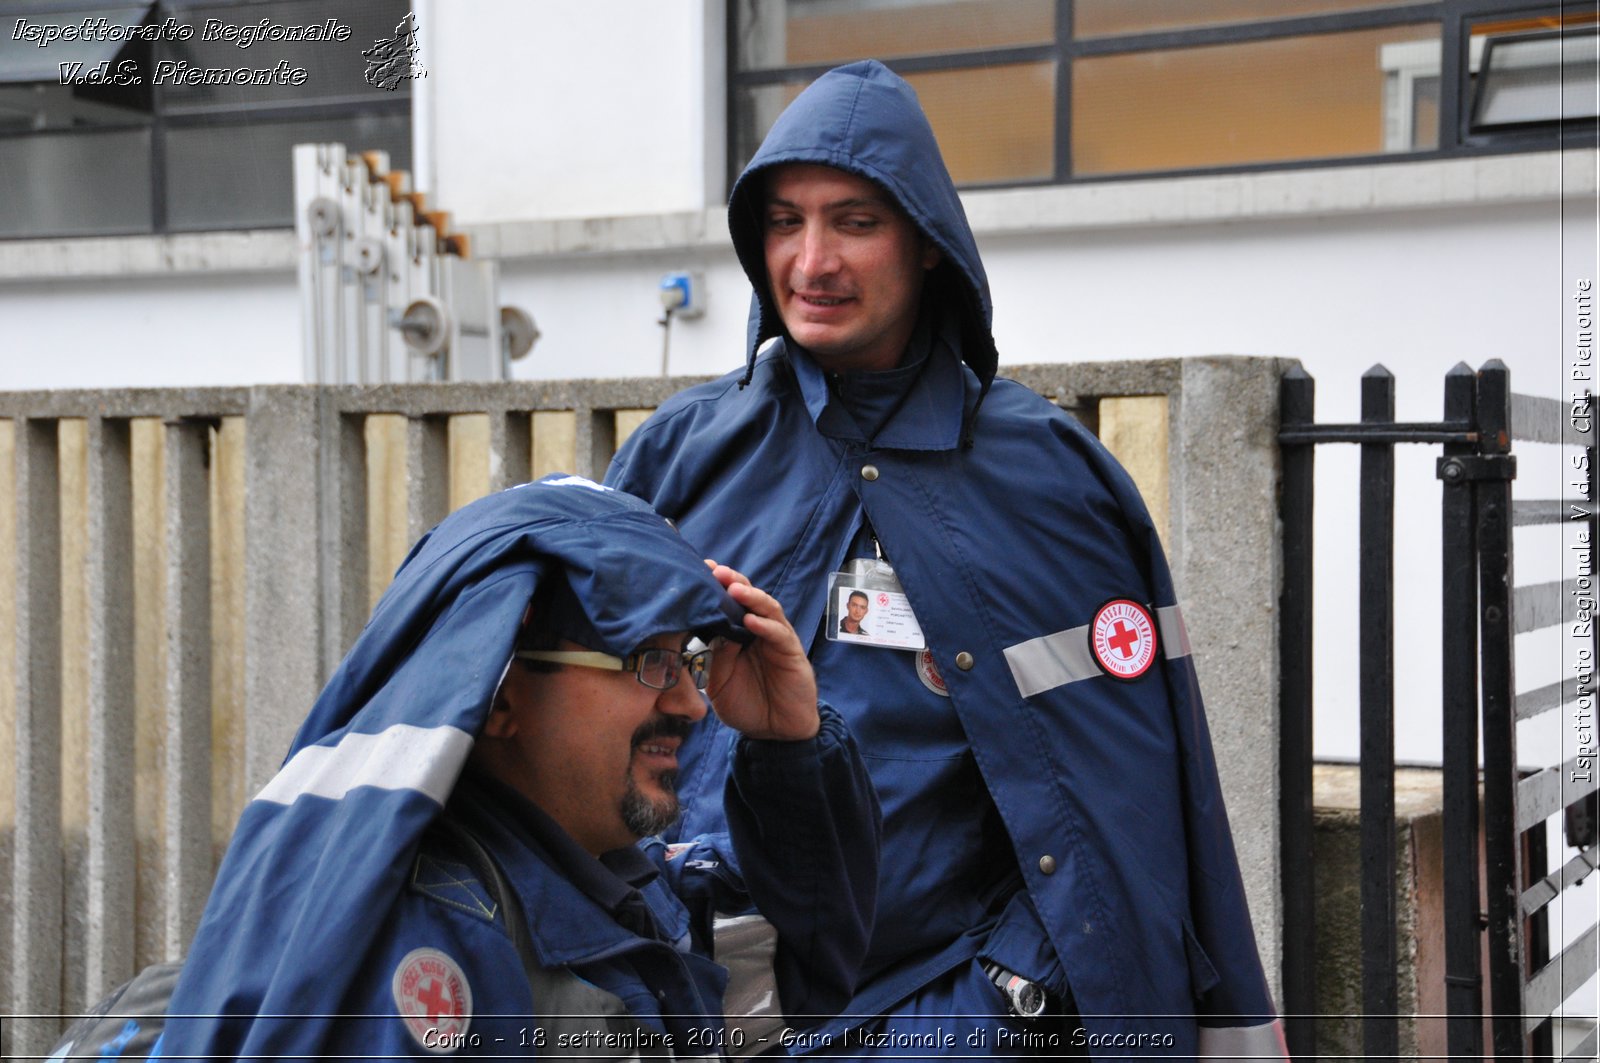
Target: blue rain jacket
point(324, 919)
point(1009, 527)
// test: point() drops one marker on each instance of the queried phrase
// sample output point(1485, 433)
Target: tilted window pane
point(41, 107)
point(239, 176)
point(775, 33)
point(1109, 18)
point(333, 69)
point(75, 184)
point(1537, 79)
point(44, 44)
point(994, 124)
point(1313, 97)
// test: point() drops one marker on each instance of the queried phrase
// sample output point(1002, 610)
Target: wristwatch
point(1028, 999)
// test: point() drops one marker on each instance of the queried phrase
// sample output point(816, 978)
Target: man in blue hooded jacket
point(446, 862)
point(1056, 855)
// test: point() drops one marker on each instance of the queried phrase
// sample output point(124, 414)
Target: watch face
point(1028, 999)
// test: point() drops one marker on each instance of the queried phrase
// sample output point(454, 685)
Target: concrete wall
point(183, 568)
point(1419, 912)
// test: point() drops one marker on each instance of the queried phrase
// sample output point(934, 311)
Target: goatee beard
point(645, 817)
point(640, 814)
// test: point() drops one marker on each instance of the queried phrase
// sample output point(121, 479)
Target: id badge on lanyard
point(868, 607)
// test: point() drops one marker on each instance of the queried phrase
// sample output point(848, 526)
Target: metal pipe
point(1379, 985)
point(1462, 931)
point(1297, 406)
point(1502, 865)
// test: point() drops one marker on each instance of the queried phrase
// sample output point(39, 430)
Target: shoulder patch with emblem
point(433, 998)
point(1122, 638)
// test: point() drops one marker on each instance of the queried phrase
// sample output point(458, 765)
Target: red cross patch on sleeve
point(433, 999)
point(1122, 638)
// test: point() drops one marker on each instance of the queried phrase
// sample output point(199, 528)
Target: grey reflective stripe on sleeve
point(1243, 1042)
point(746, 945)
point(1174, 635)
point(401, 757)
point(1051, 661)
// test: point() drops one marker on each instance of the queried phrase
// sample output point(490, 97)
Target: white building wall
point(607, 109)
point(150, 331)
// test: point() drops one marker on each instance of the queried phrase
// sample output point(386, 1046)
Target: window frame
point(1475, 128)
point(1454, 18)
point(164, 118)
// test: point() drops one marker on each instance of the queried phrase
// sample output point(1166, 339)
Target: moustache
point(661, 727)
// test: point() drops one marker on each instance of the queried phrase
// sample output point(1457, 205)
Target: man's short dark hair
point(857, 594)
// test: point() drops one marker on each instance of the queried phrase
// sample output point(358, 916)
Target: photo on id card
point(871, 616)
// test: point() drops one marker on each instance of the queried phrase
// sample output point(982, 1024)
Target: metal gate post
point(1503, 861)
point(1463, 971)
point(1298, 402)
point(1297, 407)
point(1380, 1036)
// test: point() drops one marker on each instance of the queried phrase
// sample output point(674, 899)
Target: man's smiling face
point(845, 266)
point(596, 750)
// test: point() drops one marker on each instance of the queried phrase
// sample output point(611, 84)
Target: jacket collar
point(566, 923)
point(930, 417)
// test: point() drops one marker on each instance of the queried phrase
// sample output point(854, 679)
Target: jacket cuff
point(832, 732)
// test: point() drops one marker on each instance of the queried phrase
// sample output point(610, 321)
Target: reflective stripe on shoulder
point(1243, 1042)
point(1051, 661)
point(403, 757)
point(1174, 635)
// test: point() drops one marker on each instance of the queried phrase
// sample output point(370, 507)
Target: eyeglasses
point(656, 669)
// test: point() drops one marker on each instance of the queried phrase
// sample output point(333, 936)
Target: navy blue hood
point(631, 572)
point(865, 119)
point(321, 853)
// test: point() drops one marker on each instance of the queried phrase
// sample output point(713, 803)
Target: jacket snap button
point(964, 661)
point(869, 472)
point(1047, 864)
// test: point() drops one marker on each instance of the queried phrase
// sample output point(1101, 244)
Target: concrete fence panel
point(181, 570)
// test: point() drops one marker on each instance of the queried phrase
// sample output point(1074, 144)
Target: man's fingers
point(757, 603)
point(728, 577)
point(768, 628)
point(755, 599)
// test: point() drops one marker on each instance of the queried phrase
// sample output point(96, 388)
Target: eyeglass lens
point(659, 669)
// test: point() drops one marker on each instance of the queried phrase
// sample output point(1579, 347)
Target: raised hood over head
point(865, 119)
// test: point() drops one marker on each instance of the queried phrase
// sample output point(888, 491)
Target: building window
point(1529, 76)
point(1049, 91)
point(179, 116)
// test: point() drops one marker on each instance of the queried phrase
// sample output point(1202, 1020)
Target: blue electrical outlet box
point(683, 293)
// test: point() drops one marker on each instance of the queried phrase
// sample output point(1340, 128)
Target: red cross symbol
point(436, 1000)
point(1123, 638)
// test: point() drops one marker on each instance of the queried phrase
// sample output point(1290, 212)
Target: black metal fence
point(1481, 613)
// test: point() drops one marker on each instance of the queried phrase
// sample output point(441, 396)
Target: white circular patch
point(434, 999)
point(1122, 638)
point(928, 672)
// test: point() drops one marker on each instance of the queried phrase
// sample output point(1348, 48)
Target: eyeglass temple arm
point(586, 658)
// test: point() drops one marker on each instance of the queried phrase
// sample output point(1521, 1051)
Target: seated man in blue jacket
point(446, 861)
point(1058, 873)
